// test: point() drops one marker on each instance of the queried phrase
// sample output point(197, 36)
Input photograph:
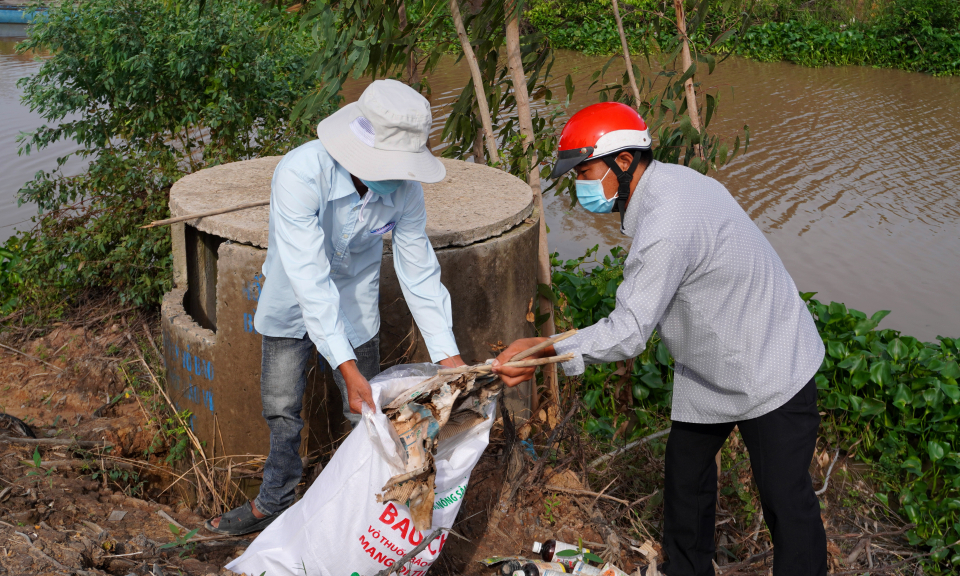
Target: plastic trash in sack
point(418, 452)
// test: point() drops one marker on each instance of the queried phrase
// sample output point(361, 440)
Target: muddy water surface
point(852, 173)
point(16, 118)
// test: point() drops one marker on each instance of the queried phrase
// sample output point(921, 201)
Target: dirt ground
point(94, 492)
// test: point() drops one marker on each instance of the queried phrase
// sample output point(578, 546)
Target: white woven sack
point(339, 528)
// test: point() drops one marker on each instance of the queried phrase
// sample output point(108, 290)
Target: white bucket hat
point(383, 136)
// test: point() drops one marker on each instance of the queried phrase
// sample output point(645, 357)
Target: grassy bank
point(890, 400)
point(915, 35)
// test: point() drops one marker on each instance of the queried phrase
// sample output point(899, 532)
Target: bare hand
point(358, 389)
point(514, 376)
point(452, 362)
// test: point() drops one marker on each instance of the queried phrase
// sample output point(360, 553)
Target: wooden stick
point(626, 54)
point(826, 480)
point(31, 357)
point(543, 345)
point(484, 368)
point(586, 493)
point(644, 440)
point(482, 106)
point(55, 442)
point(243, 206)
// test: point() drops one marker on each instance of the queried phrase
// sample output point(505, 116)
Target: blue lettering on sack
point(384, 229)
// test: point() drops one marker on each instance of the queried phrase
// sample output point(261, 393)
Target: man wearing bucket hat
point(745, 347)
point(331, 202)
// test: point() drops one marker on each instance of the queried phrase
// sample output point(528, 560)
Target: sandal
point(240, 521)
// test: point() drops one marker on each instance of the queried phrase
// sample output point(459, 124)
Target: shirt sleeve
point(651, 277)
point(296, 209)
point(419, 273)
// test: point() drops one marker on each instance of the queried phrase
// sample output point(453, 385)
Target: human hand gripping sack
point(358, 389)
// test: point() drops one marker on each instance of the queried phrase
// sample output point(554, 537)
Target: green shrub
point(890, 399)
point(151, 90)
point(916, 35)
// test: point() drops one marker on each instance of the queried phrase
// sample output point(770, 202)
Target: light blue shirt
point(323, 264)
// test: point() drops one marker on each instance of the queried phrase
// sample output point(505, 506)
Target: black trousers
point(781, 445)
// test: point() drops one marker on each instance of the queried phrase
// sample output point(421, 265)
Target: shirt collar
point(344, 187)
point(633, 216)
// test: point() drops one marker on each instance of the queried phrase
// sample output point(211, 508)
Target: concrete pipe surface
point(481, 222)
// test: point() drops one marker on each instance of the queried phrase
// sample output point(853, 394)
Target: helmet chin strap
point(624, 178)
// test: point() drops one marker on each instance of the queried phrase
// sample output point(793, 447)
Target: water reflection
point(17, 118)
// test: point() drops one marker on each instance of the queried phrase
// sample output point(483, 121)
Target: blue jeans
point(282, 383)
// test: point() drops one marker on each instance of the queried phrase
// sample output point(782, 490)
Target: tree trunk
point(692, 110)
point(626, 54)
point(477, 84)
point(515, 63)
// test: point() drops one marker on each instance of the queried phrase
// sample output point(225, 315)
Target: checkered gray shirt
point(702, 273)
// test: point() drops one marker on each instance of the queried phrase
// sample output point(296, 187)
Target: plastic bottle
point(536, 568)
point(511, 567)
point(584, 569)
point(548, 550)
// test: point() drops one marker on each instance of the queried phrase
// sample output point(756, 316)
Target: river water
point(852, 173)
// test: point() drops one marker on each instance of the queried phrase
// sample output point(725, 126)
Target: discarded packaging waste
point(584, 569)
point(540, 568)
point(550, 549)
point(418, 452)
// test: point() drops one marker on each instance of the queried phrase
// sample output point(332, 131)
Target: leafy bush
point(889, 399)
point(916, 35)
point(933, 50)
point(151, 90)
point(11, 257)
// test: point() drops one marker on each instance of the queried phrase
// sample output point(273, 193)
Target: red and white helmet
point(599, 130)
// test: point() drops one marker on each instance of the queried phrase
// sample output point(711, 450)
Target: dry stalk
point(203, 477)
point(243, 206)
point(34, 358)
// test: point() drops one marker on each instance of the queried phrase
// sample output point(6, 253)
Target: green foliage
point(890, 399)
point(11, 259)
point(923, 49)
point(36, 471)
point(917, 35)
point(898, 398)
point(181, 539)
point(151, 91)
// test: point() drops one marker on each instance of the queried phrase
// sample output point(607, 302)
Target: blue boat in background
point(16, 13)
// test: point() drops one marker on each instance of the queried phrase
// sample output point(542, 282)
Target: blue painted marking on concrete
point(248, 322)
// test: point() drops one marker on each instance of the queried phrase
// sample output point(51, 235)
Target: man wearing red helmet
point(744, 344)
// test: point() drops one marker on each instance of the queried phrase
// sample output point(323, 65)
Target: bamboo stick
point(477, 83)
point(692, 111)
point(243, 206)
point(543, 345)
point(484, 368)
point(626, 54)
point(515, 64)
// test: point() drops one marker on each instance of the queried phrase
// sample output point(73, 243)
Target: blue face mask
point(383, 187)
point(591, 196)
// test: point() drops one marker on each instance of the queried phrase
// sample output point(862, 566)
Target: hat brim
point(567, 160)
point(368, 163)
